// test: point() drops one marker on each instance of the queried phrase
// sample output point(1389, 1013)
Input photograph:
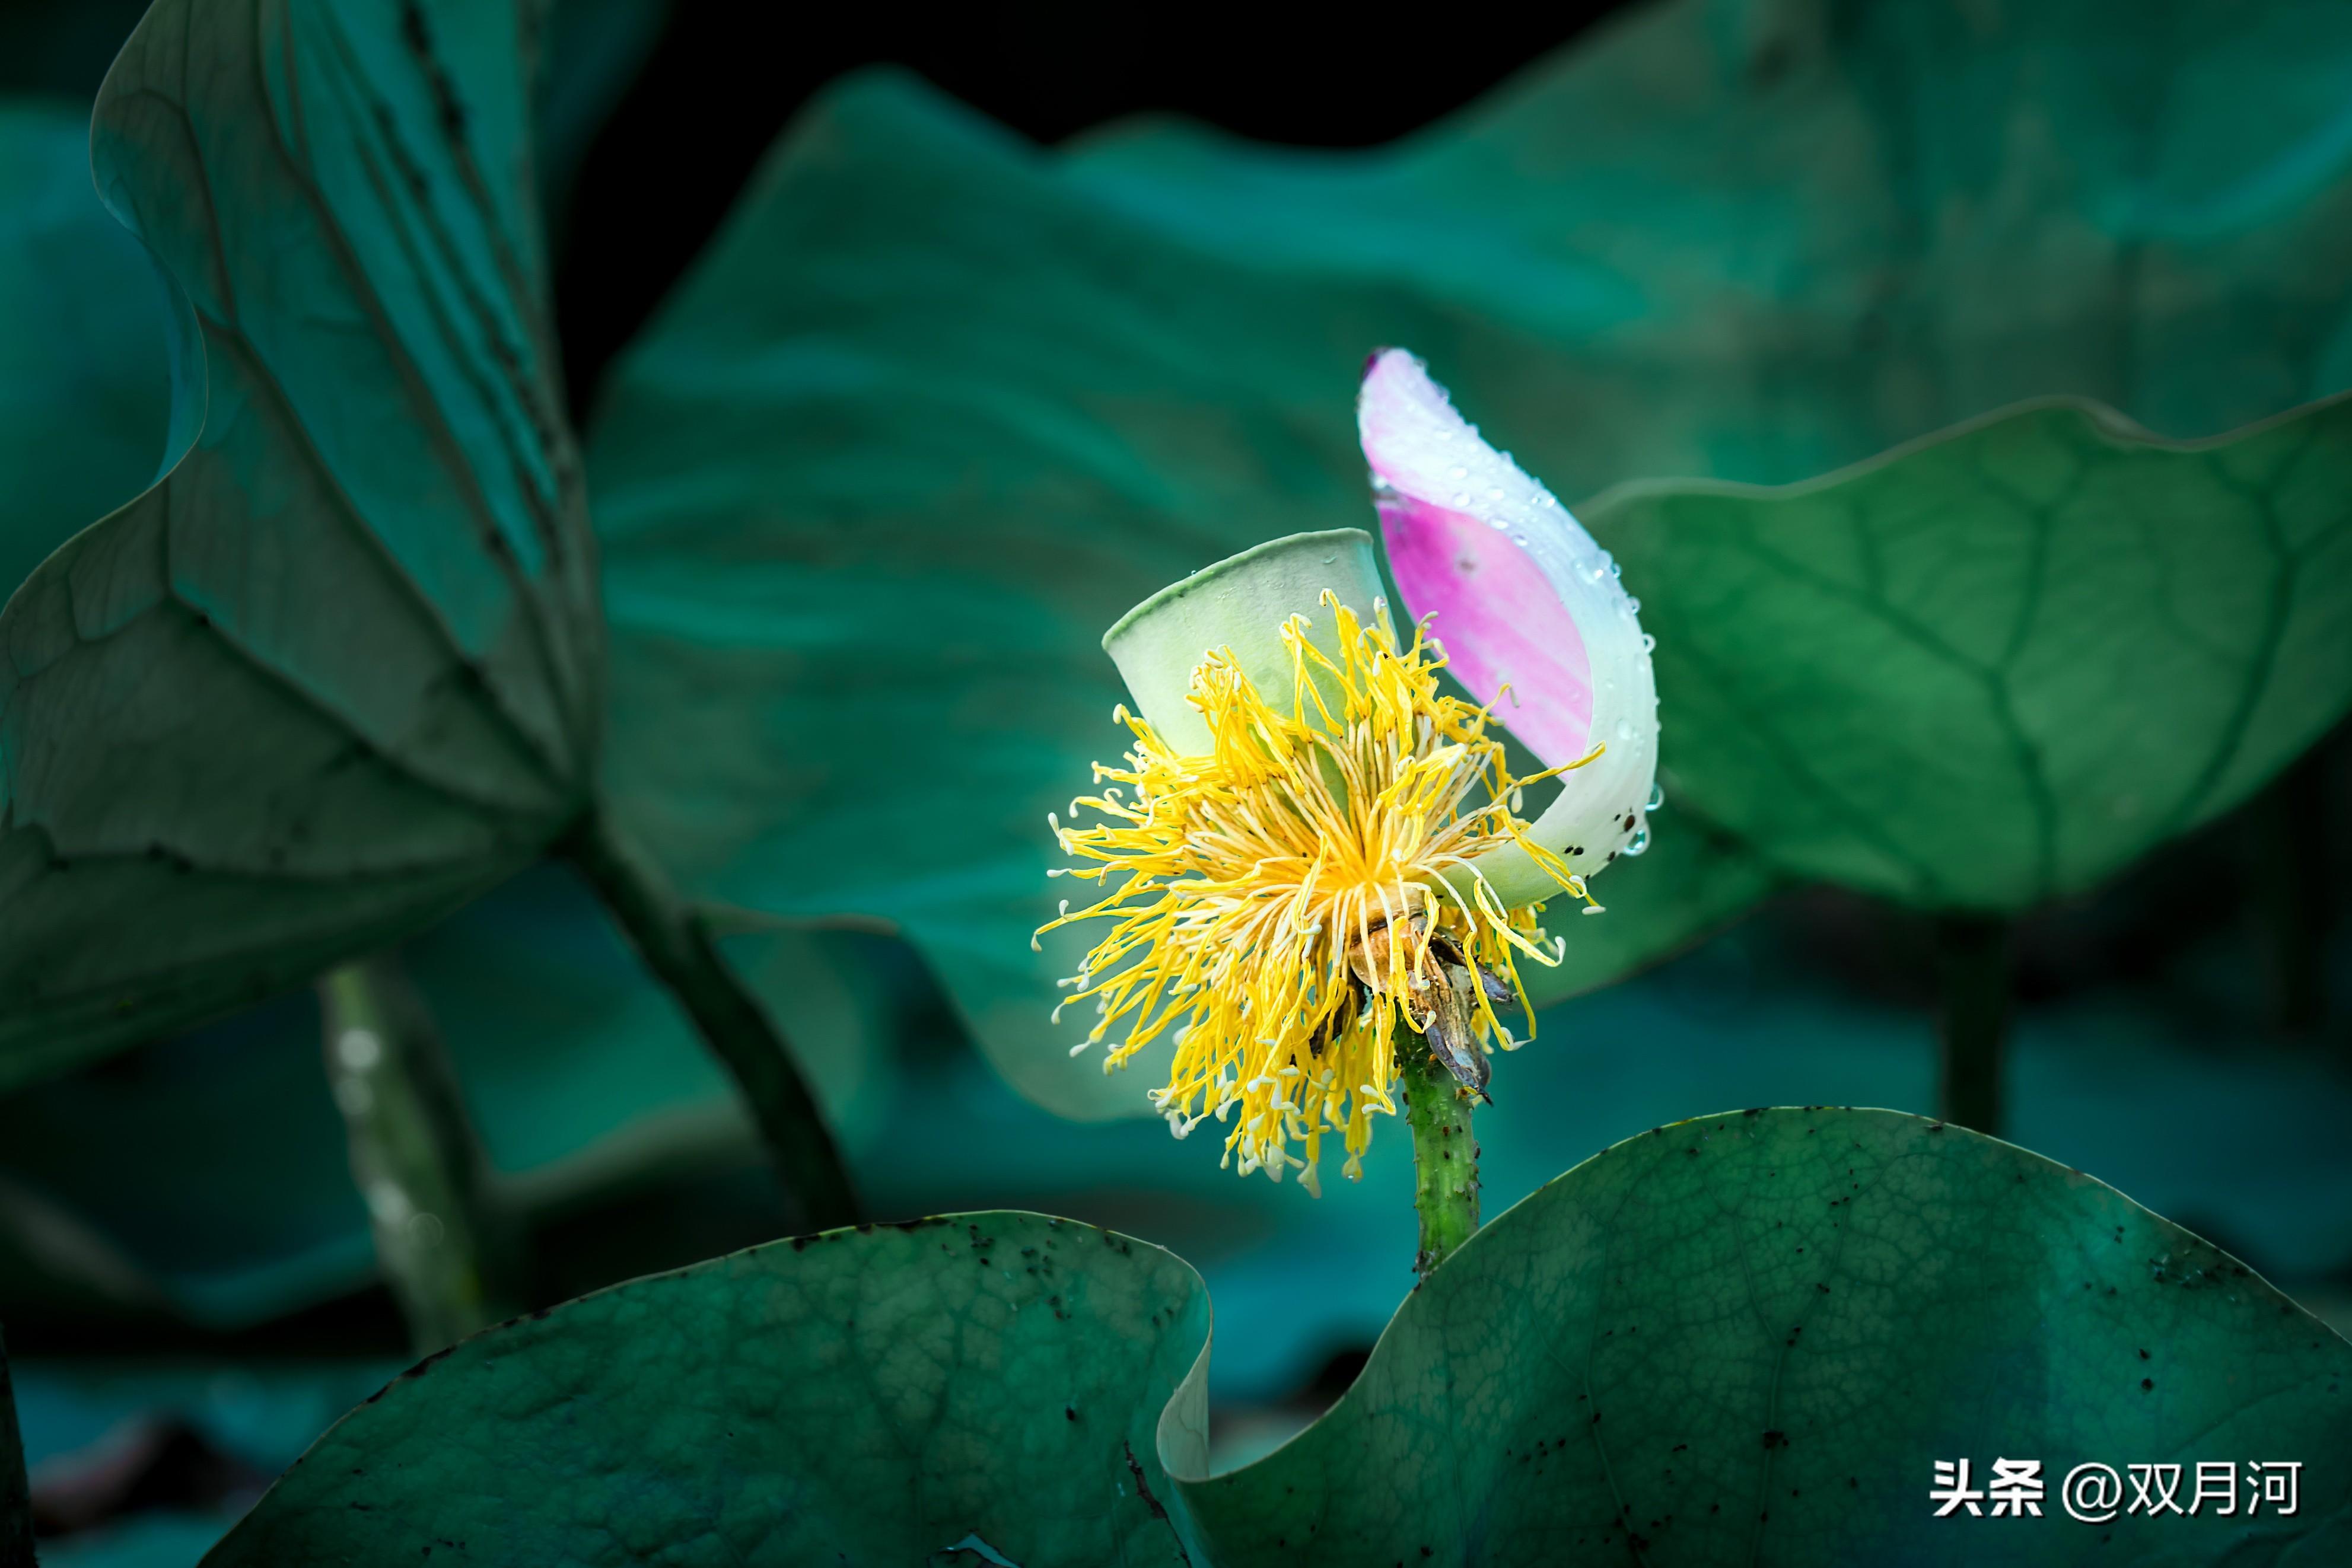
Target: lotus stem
point(675, 941)
point(1444, 1153)
point(443, 1246)
point(2292, 891)
point(1972, 956)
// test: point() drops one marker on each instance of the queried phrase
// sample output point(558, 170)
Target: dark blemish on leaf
point(2144, 1355)
point(1143, 1488)
point(421, 1367)
point(1069, 1412)
point(2146, 1384)
point(865, 1227)
point(1776, 1439)
point(799, 1242)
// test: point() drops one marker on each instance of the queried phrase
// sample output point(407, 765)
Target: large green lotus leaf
point(1747, 1339)
point(341, 668)
point(1999, 666)
point(935, 407)
point(85, 382)
point(979, 1388)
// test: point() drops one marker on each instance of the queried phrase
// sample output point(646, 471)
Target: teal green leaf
point(1853, 1295)
point(1996, 667)
point(85, 379)
point(931, 1392)
point(937, 407)
point(1746, 1339)
point(341, 669)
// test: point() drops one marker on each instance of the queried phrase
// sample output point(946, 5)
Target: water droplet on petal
point(1639, 844)
point(1657, 796)
point(1461, 500)
point(1624, 729)
point(1649, 642)
point(1460, 472)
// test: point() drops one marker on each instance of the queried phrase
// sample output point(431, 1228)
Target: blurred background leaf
point(85, 391)
point(1999, 666)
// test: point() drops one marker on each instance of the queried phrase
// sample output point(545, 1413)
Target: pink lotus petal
point(1501, 623)
point(1521, 597)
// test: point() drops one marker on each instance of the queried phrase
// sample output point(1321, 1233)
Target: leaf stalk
point(1973, 963)
point(440, 1238)
point(675, 941)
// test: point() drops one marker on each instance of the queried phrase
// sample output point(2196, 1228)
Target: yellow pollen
point(1255, 891)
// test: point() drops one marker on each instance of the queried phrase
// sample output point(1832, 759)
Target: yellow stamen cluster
point(1254, 879)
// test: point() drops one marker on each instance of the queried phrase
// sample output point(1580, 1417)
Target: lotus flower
point(1310, 839)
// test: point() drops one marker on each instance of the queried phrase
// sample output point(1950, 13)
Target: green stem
point(16, 1492)
point(443, 1250)
point(1972, 960)
point(1444, 1155)
point(2291, 892)
point(677, 946)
